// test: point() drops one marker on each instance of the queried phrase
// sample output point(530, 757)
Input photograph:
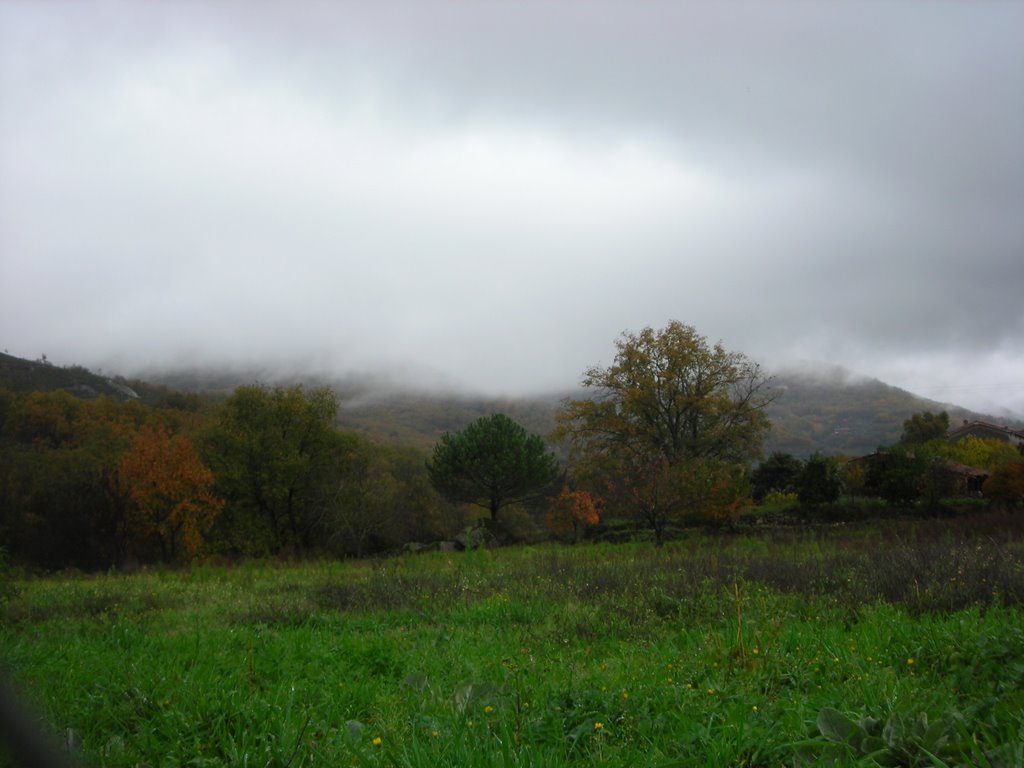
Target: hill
point(817, 409)
point(833, 411)
point(826, 410)
point(19, 375)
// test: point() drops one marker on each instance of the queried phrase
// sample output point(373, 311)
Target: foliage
point(570, 511)
point(925, 426)
point(170, 493)
point(377, 498)
point(987, 454)
point(896, 474)
point(492, 463)
point(819, 481)
point(897, 741)
point(59, 503)
point(95, 484)
point(667, 420)
point(778, 473)
point(1006, 484)
point(271, 450)
point(855, 477)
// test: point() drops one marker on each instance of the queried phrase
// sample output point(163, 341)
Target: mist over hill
point(824, 409)
point(817, 408)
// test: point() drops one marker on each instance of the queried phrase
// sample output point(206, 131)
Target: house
point(964, 480)
point(985, 431)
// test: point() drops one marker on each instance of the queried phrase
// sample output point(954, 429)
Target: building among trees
point(985, 431)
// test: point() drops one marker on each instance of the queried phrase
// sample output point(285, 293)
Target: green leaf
point(894, 732)
point(354, 728)
point(836, 726)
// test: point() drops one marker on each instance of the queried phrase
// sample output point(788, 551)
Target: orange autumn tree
point(169, 491)
point(570, 511)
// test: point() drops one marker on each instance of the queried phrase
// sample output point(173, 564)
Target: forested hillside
point(826, 410)
point(831, 411)
point(98, 471)
point(831, 414)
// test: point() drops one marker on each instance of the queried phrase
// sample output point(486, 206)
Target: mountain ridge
point(817, 409)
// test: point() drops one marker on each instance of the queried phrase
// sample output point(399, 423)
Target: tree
point(924, 427)
point(492, 463)
point(1006, 484)
point(670, 419)
point(819, 482)
point(570, 511)
point(375, 500)
point(981, 453)
point(271, 450)
point(778, 473)
point(898, 476)
point(170, 493)
point(59, 503)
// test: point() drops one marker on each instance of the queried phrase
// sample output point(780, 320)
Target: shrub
point(1006, 484)
point(779, 473)
point(818, 482)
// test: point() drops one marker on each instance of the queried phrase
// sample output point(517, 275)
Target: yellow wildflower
point(598, 726)
point(377, 741)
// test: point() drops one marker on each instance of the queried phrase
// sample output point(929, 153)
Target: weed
point(712, 650)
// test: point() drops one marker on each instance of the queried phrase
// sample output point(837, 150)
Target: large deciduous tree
point(271, 450)
point(670, 427)
point(924, 427)
point(379, 497)
point(492, 463)
point(172, 506)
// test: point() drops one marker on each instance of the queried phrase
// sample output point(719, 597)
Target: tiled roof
point(971, 426)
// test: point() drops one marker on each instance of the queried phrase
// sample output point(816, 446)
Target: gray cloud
point(488, 194)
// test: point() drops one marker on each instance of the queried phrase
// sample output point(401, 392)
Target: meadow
point(888, 643)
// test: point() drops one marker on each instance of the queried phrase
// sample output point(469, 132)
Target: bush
point(779, 473)
point(781, 501)
point(898, 477)
point(818, 482)
point(1006, 484)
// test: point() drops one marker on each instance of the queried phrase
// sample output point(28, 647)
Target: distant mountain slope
point(18, 375)
point(822, 409)
point(421, 419)
point(832, 411)
point(829, 411)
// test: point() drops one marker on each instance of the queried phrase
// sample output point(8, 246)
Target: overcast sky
point(486, 194)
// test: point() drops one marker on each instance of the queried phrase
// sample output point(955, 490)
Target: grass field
point(896, 643)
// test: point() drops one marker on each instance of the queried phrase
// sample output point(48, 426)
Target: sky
point(484, 195)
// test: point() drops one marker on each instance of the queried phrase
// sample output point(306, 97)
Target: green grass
point(726, 651)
